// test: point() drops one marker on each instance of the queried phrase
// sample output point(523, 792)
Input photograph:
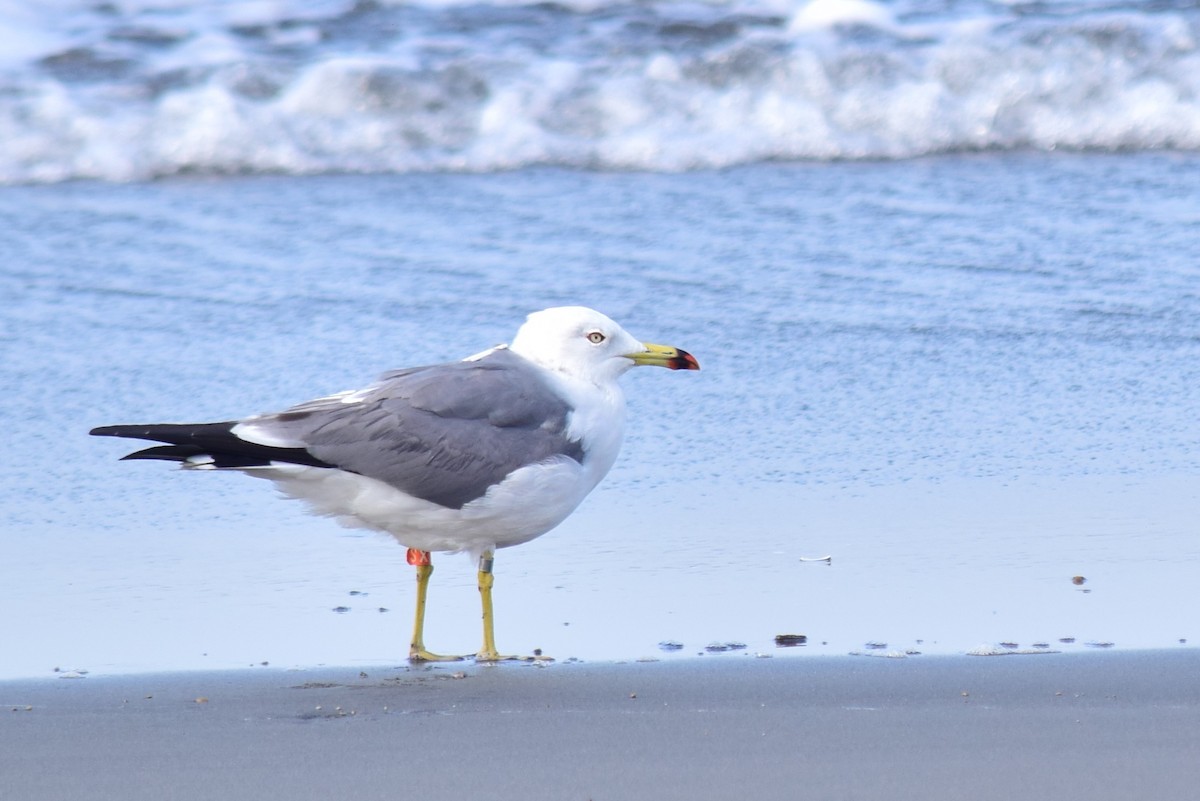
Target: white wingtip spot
point(289, 467)
point(199, 462)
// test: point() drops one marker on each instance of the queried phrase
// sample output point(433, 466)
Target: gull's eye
point(595, 337)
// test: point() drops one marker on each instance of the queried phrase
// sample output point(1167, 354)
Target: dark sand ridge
point(1113, 725)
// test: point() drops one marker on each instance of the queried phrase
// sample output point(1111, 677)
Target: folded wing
point(444, 433)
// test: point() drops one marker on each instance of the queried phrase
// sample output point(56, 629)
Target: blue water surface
point(968, 379)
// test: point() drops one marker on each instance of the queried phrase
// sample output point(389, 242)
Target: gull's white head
point(585, 344)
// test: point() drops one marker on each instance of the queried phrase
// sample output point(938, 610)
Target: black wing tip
point(214, 441)
point(166, 453)
point(186, 453)
point(136, 431)
point(183, 441)
point(165, 432)
point(106, 431)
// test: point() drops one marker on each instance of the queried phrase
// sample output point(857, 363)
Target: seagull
point(468, 456)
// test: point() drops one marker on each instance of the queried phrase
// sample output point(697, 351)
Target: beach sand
point(1097, 725)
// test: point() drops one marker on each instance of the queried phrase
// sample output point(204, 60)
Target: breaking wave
point(140, 89)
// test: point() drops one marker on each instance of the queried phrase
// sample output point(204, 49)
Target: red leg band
point(418, 558)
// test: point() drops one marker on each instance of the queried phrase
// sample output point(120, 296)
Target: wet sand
point(1103, 725)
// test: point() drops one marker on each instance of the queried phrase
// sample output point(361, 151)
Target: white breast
point(526, 504)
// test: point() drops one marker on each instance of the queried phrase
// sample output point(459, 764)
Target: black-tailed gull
point(468, 456)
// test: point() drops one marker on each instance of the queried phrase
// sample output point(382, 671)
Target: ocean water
point(134, 89)
point(955, 351)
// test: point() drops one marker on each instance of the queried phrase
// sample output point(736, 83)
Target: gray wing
point(444, 433)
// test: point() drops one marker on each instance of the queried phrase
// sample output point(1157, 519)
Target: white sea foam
point(146, 89)
point(831, 13)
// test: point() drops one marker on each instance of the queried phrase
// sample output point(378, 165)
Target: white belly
point(527, 504)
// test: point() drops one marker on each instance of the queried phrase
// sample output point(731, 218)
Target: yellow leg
point(488, 652)
point(416, 651)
